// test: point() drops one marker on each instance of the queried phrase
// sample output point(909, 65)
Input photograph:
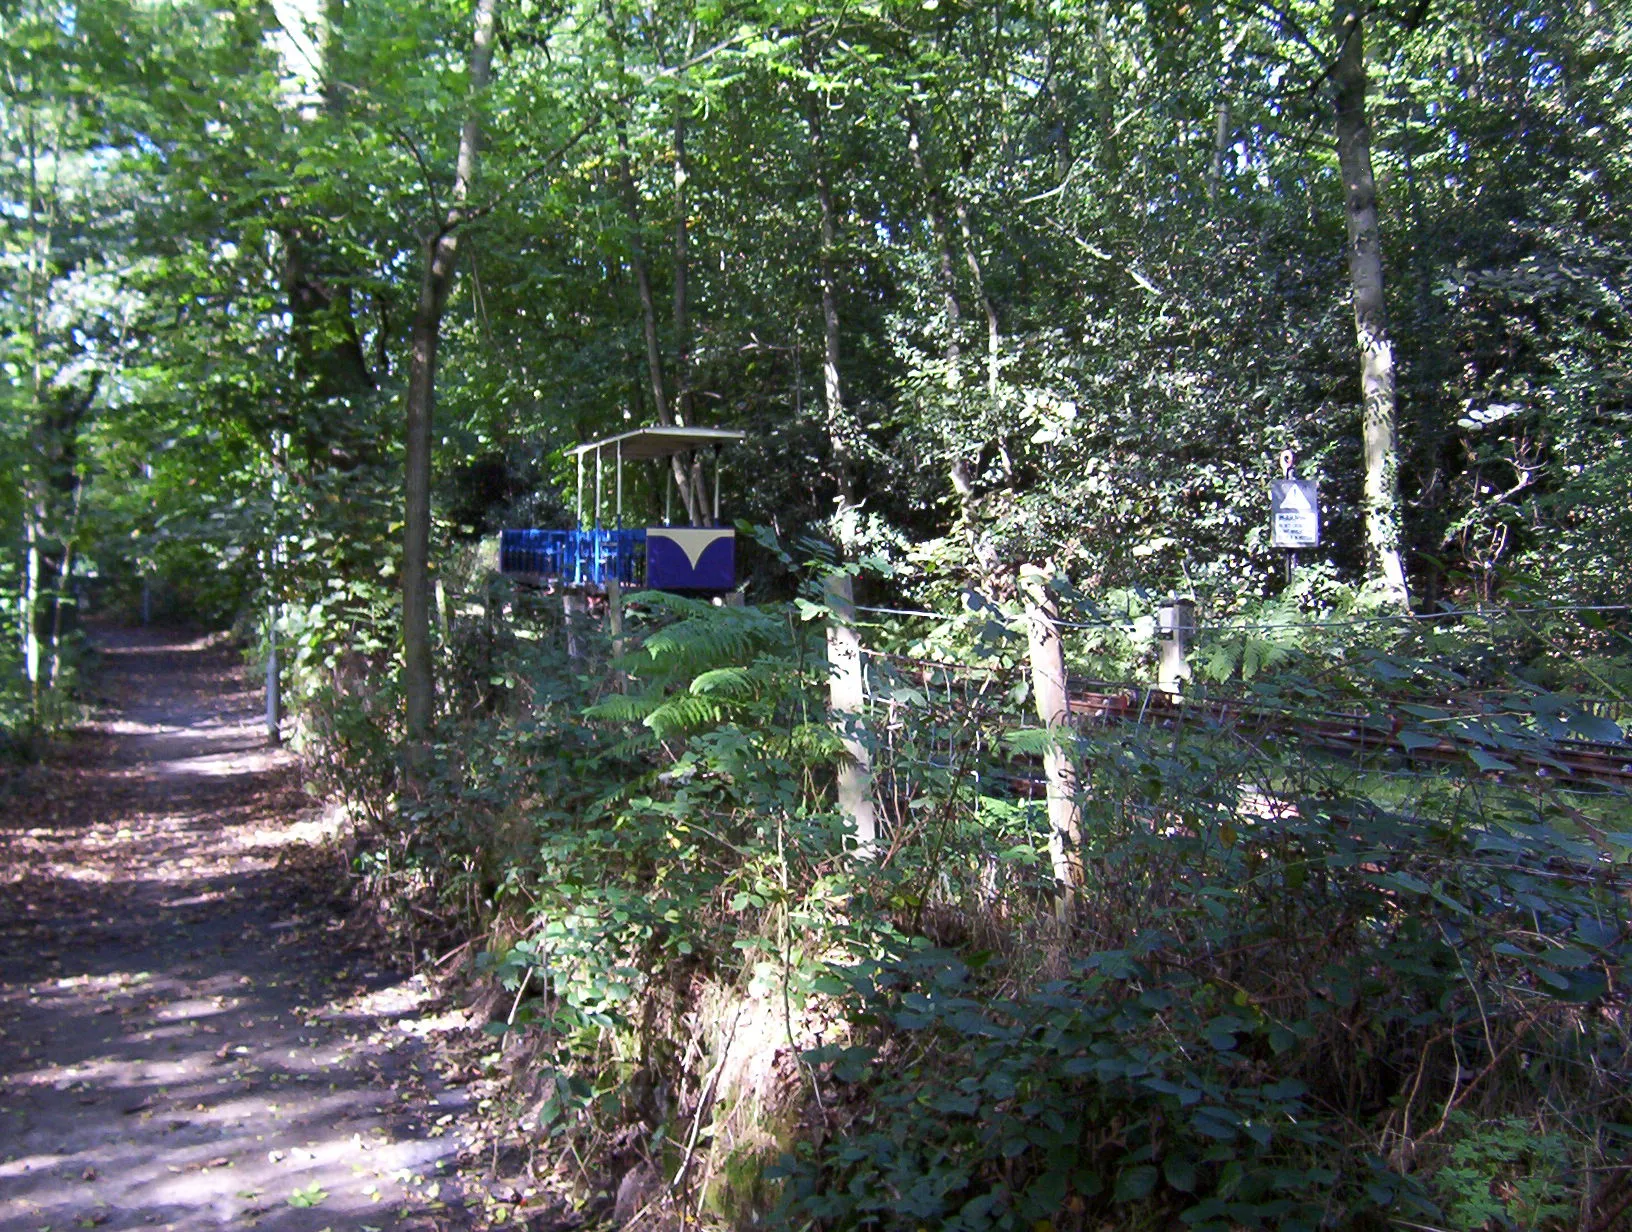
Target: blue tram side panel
point(691, 558)
point(686, 559)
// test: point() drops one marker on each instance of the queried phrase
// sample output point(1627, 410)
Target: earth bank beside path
point(189, 1037)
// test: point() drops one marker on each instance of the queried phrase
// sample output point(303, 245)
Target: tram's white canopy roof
point(645, 443)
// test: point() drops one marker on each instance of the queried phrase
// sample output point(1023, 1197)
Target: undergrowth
point(1294, 990)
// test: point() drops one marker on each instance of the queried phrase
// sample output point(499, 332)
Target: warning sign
point(1294, 513)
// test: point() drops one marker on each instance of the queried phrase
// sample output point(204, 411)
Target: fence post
point(846, 696)
point(614, 623)
point(1175, 629)
point(614, 615)
point(1048, 689)
point(274, 693)
point(443, 620)
point(572, 604)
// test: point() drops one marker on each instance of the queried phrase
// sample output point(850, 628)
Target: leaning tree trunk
point(1379, 432)
point(442, 250)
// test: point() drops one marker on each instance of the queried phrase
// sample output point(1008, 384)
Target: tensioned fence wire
point(1402, 619)
point(1418, 621)
point(894, 680)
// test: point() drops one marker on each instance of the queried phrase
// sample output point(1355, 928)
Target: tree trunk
point(832, 386)
point(943, 252)
point(689, 494)
point(1221, 146)
point(329, 363)
point(36, 477)
point(442, 251)
point(54, 493)
point(682, 320)
point(63, 601)
point(698, 491)
point(1379, 434)
point(690, 486)
point(994, 332)
point(33, 590)
point(958, 468)
point(1048, 686)
point(643, 279)
point(963, 485)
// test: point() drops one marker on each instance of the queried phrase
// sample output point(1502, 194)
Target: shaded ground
point(188, 1038)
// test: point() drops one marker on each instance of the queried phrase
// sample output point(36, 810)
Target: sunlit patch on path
point(189, 1037)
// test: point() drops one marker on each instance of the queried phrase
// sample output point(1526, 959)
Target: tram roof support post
point(717, 466)
point(620, 485)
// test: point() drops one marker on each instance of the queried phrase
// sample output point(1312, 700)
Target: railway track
point(1368, 736)
point(1390, 735)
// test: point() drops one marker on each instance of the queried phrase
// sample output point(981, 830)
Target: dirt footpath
point(188, 1037)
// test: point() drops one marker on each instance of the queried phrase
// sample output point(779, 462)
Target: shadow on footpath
point(188, 1037)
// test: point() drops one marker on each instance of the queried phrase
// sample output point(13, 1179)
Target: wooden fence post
point(444, 624)
point(1175, 628)
point(1048, 688)
point(847, 698)
point(274, 692)
point(614, 623)
point(573, 604)
point(614, 616)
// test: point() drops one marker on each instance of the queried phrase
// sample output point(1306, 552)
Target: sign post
point(1175, 627)
point(1294, 512)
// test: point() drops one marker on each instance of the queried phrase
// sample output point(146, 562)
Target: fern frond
point(1030, 741)
point(683, 713)
point(624, 708)
point(666, 601)
point(729, 682)
point(717, 637)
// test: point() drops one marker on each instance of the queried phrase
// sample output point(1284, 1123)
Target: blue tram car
point(689, 559)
